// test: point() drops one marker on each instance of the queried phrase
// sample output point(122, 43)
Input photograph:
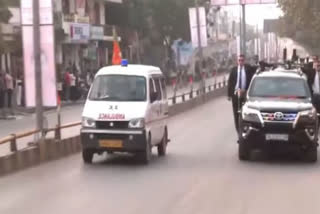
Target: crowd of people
point(75, 86)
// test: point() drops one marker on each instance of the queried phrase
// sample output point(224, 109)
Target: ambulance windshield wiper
point(108, 97)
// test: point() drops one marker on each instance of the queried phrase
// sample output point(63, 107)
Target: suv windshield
point(118, 88)
point(279, 87)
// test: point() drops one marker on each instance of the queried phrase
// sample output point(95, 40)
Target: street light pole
point(199, 44)
point(37, 59)
point(244, 50)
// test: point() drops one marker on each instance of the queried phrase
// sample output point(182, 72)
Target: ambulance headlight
point(250, 115)
point(88, 122)
point(137, 123)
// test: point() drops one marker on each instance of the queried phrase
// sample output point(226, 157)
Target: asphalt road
point(200, 175)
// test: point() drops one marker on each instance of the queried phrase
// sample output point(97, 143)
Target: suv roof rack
point(285, 67)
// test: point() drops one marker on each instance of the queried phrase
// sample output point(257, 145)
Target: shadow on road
point(281, 159)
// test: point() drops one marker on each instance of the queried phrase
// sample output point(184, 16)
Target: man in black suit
point(313, 76)
point(239, 81)
point(310, 70)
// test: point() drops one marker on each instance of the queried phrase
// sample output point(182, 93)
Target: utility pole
point(244, 50)
point(200, 45)
point(37, 59)
point(240, 32)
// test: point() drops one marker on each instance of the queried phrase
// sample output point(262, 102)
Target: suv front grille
point(112, 124)
point(278, 116)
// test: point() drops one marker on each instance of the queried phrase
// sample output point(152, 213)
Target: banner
point(194, 27)
point(29, 70)
point(48, 66)
point(116, 56)
point(183, 50)
point(79, 32)
point(237, 2)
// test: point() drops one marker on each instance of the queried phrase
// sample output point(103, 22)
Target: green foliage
point(301, 21)
point(171, 17)
point(160, 19)
point(5, 16)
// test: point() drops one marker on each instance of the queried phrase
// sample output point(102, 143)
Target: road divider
point(56, 148)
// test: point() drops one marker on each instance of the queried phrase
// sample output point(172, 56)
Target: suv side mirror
point(153, 97)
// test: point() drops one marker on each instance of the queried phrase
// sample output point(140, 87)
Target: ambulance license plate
point(111, 143)
point(277, 137)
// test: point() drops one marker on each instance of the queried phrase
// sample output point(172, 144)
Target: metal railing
point(12, 139)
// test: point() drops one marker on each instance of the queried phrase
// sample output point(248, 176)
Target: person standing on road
point(310, 70)
point(238, 83)
point(73, 90)
point(313, 76)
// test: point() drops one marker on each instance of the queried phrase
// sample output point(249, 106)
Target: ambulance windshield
point(119, 88)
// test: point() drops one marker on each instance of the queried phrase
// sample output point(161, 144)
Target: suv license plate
point(277, 137)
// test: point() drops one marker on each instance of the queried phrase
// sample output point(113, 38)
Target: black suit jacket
point(311, 74)
point(232, 82)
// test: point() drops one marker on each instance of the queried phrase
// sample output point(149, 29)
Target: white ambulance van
point(126, 111)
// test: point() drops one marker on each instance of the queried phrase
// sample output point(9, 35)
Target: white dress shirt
point(316, 84)
point(242, 85)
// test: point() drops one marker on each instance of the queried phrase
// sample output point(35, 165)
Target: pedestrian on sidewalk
point(2, 94)
point(67, 84)
point(9, 91)
point(73, 87)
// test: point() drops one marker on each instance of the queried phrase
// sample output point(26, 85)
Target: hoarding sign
point(46, 15)
point(48, 70)
point(194, 27)
point(97, 33)
point(26, 12)
point(183, 50)
point(80, 31)
point(237, 2)
point(29, 71)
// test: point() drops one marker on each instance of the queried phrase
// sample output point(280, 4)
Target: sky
point(255, 14)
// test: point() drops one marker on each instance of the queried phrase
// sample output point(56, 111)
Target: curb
point(48, 150)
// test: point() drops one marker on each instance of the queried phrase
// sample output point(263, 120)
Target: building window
point(66, 6)
point(97, 12)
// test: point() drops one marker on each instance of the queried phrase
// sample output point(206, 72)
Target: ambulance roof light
point(124, 62)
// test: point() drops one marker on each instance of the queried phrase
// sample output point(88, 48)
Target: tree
point(159, 22)
point(5, 16)
point(301, 21)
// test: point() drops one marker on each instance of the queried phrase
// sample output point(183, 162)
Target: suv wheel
point(162, 147)
point(244, 151)
point(87, 156)
point(311, 155)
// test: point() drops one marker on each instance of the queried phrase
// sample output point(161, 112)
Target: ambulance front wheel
point(87, 156)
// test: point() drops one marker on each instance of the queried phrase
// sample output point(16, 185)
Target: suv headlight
point(137, 123)
point(250, 115)
point(311, 114)
point(88, 122)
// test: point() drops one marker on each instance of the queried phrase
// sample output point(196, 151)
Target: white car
point(126, 111)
